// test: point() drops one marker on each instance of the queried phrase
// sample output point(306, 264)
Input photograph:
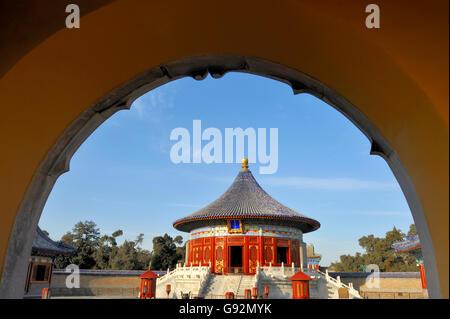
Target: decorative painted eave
point(245, 199)
point(409, 244)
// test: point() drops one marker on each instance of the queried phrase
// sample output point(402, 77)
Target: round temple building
point(244, 228)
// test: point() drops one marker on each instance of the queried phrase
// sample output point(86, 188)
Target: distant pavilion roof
point(408, 244)
point(245, 199)
point(44, 246)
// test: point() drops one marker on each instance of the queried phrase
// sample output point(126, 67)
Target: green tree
point(412, 230)
point(64, 261)
point(68, 238)
point(85, 237)
point(165, 252)
point(181, 253)
point(144, 258)
point(106, 245)
point(103, 252)
point(130, 256)
point(377, 251)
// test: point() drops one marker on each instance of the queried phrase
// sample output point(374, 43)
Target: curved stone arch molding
point(57, 160)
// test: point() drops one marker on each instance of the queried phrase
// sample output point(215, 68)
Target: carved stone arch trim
point(58, 158)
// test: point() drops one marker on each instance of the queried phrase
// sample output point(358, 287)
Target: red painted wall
point(214, 250)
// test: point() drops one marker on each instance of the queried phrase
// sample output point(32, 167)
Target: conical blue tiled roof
point(245, 199)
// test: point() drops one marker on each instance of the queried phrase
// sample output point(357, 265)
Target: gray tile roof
point(44, 246)
point(245, 199)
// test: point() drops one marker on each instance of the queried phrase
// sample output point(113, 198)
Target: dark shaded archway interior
point(236, 256)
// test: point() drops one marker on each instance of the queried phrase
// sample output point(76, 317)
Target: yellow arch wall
point(397, 76)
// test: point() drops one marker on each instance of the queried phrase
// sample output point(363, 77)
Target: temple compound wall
point(125, 284)
point(101, 283)
point(391, 285)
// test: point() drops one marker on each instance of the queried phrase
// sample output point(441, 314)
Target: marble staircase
point(218, 285)
point(247, 282)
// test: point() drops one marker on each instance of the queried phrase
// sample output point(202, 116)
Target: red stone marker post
point(300, 285)
point(168, 288)
point(423, 279)
point(229, 295)
point(45, 293)
point(255, 292)
point(148, 285)
point(266, 292)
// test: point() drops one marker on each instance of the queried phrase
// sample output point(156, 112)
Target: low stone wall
point(183, 280)
point(278, 289)
point(391, 285)
point(125, 284)
point(110, 283)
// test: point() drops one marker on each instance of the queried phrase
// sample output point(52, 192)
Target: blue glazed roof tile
point(246, 199)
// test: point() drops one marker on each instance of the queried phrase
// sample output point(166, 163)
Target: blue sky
point(122, 176)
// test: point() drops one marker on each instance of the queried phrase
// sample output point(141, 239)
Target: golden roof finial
point(244, 164)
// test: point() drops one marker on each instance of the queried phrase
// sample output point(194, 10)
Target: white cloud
point(328, 183)
point(139, 106)
point(151, 104)
point(383, 213)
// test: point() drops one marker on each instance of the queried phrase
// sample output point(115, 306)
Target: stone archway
point(57, 160)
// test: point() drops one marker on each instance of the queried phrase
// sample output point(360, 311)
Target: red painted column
point(261, 250)
point(288, 257)
point(189, 253)
point(274, 250)
point(213, 254)
point(200, 262)
point(245, 260)
point(225, 255)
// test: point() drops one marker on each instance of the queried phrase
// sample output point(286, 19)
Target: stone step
point(219, 285)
